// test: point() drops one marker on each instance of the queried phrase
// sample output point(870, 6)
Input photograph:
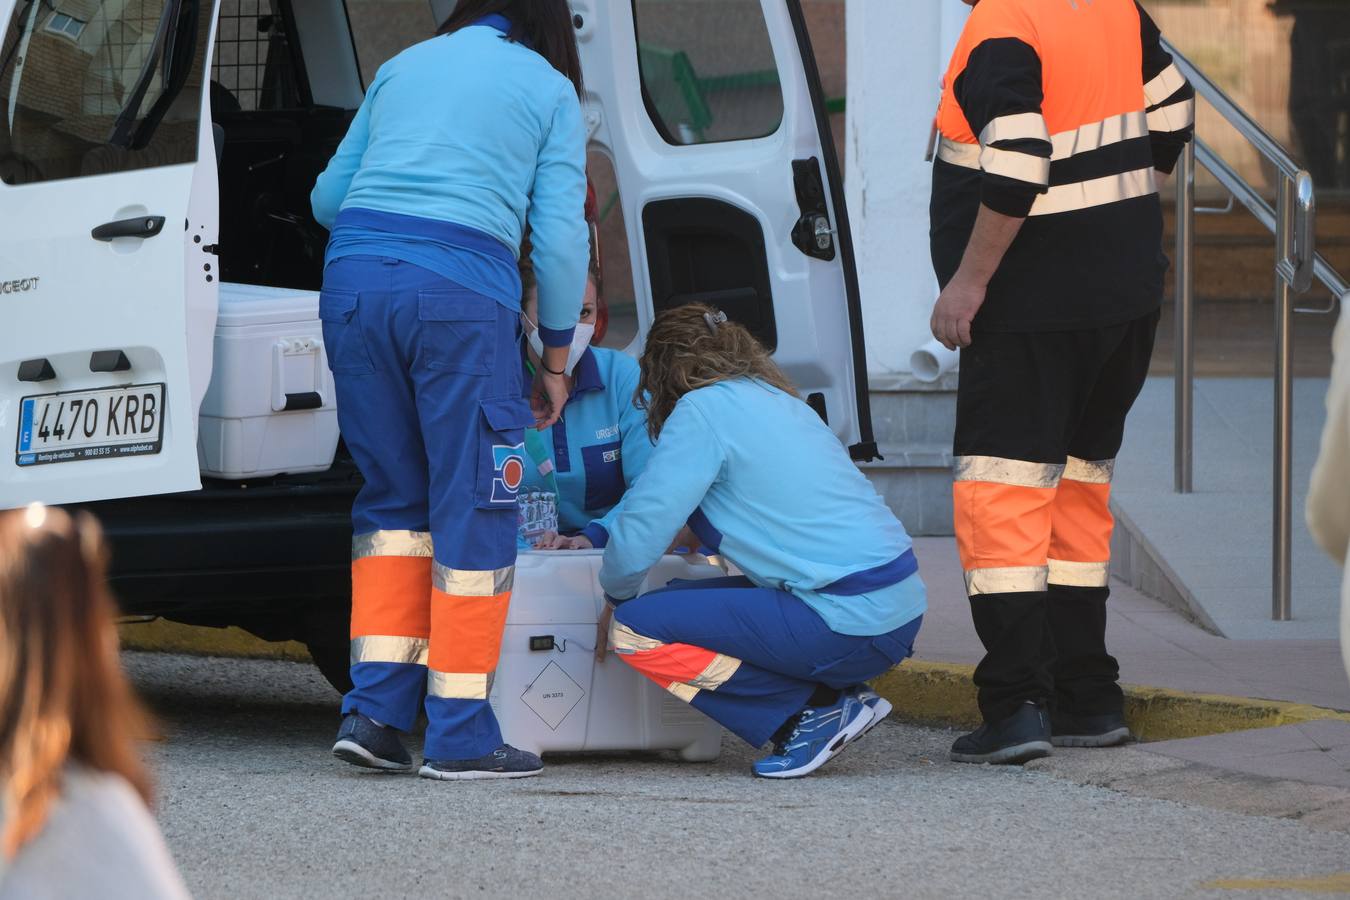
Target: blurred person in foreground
point(74, 816)
point(1328, 510)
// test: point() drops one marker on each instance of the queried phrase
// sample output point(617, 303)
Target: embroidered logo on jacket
point(508, 472)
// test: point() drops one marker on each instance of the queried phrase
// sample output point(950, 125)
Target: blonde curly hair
point(692, 347)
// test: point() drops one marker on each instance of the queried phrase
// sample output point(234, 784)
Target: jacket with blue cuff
point(433, 140)
point(765, 483)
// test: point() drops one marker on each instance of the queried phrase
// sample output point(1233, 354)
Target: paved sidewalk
point(1211, 550)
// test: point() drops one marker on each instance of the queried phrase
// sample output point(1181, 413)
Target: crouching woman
point(831, 594)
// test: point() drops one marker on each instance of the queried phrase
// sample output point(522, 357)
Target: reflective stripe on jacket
point(1060, 111)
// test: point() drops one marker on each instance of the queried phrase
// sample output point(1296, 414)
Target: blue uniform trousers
point(746, 656)
point(429, 404)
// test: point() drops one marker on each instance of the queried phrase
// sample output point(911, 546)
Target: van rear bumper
point(232, 554)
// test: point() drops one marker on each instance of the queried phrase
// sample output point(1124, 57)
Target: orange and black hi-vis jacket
point(1059, 111)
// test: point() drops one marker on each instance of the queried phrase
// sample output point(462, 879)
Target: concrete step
point(916, 483)
point(913, 422)
point(907, 412)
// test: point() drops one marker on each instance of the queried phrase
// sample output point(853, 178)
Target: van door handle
point(139, 227)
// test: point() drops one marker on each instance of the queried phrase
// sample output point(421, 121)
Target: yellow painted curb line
point(1338, 883)
point(164, 636)
point(944, 694)
point(929, 692)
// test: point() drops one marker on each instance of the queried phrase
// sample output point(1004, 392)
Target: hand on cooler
point(602, 633)
point(687, 539)
point(551, 540)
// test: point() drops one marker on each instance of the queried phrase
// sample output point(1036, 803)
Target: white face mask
point(581, 339)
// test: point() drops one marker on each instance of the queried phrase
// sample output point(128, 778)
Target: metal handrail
point(1293, 222)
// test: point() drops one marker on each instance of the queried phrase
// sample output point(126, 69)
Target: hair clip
point(714, 319)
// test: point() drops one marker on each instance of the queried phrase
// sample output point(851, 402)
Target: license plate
point(98, 424)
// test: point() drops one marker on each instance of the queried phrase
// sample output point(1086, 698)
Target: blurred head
point(529, 301)
point(63, 697)
point(592, 302)
point(545, 25)
point(686, 351)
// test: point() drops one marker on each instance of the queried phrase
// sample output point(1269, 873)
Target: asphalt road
point(253, 806)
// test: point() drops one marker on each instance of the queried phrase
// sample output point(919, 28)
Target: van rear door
point(107, 281)
point(712, 113)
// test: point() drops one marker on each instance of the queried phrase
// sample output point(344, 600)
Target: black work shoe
point(1023, 736)
point(504, 762)
point(361, 742)
point(1105, 730)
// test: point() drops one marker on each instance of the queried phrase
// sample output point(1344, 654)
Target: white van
point(122, 119)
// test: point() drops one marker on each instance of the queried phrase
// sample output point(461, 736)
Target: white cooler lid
point(256, 304)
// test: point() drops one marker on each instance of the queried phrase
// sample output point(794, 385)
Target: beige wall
point(1244, 48)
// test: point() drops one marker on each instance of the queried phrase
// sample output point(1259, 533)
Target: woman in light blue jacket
point(459, 139)
point(831, 594)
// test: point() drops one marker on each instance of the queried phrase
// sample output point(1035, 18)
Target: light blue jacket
point(765, 483)
point(598, 448)
point(474, 130)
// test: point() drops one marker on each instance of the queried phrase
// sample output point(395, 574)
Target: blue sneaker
point(820, 733)
point(880, 706)
point(361, 742)
point(504, 762)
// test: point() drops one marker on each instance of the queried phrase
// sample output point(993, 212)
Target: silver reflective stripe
point(459, 685)
point(1080, 574)
point(391, 543)
point(686, 692)
point(718, 672)
point(625, 640)
point(1006, 471)
point(1011, 580)
point(967, 156)
point(1014, 164)
point(1165, 84)
point(1096, 192)
point(470, 583)
point(389, 649)
point(1094, 136)
point(1019, 126)
point(1173, 116)
point(1089, 471)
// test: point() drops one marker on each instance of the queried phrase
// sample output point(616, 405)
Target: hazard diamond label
point(553, 695)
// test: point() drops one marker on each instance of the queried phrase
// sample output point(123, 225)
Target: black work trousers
point(1040, 418)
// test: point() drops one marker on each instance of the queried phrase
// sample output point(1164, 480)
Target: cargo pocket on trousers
point(501, 460)
point(343, 341)
point(870, 657)
point(458, 330)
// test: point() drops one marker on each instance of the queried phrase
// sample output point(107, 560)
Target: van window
point(254, 67)
point(383, 28)
point(92, 87)
point(708, 72)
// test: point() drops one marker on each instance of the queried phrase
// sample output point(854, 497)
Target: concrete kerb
point(931, 693)
point(163, 636)
point(944, 694)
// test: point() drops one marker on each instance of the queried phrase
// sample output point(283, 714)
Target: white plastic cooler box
point(550, 694)
point(270, 408)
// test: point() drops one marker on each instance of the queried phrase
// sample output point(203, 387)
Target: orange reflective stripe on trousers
point(1080, 541)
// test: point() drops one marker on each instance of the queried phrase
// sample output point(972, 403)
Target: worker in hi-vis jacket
point(1047, 241)
point(459, 139)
